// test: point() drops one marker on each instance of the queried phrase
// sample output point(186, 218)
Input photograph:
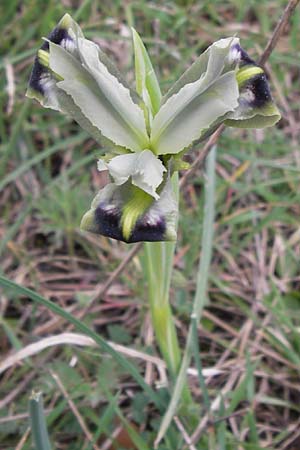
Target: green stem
point(159, 257)
point(159, 266)
point(200, 296)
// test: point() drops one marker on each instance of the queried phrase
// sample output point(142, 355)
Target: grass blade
point(38, 422)
point(197, 358)
point(20, 290)
point(40, 157)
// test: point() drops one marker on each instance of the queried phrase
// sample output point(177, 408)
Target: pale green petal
point(99, 95)
point(218, 55)
point(43, 82)
point(187, 115)
point(117, 94)
point(43, 85)
point(192, 108)
point(256, 108)
point(66, 34)
point(148, 174)
point(146, 170)
point(262, 117)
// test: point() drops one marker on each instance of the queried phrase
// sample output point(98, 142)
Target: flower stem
point(201, 292)
point(159, 266)
point(159, 257)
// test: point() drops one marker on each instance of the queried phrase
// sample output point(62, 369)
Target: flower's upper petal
point(127, 214)
point(256, 108)
point(144, 168)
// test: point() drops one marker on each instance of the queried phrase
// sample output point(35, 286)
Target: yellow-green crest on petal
point(128, 214)
point(256, 107)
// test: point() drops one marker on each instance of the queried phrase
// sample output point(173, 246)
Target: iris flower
point(144, 134)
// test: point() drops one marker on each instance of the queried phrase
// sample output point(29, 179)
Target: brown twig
point(101, 289)
point(184, 433)
point(74, 409)
point(202, 155)
point(279, 29)
point(23, 440)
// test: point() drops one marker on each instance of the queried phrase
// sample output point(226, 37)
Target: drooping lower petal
point(256, 107)
point(72, 75)
point(104, 101)
point(42, 82)
point(128, 214)
point(190, 109)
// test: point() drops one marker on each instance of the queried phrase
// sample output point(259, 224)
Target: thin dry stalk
point(184, 433)
point(279, 29)
point(101, 289)
point(82, 340)
point(23, 439)
point(107, 444)
point(74, 409)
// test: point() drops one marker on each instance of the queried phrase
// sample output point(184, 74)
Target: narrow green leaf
point(158, 264)
point(40, 157)
point(15, 133)
point(106, 419)
point(14, 228)
point(197, 358)
point(137, 440)
point(38, 423)
point(221, 427)
point(253, 432)
point(158, 269)
point(134, 436)
point(147, 85)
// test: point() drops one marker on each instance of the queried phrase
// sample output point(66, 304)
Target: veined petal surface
point(100, 103)
point(192, 109)
point(71, 74)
